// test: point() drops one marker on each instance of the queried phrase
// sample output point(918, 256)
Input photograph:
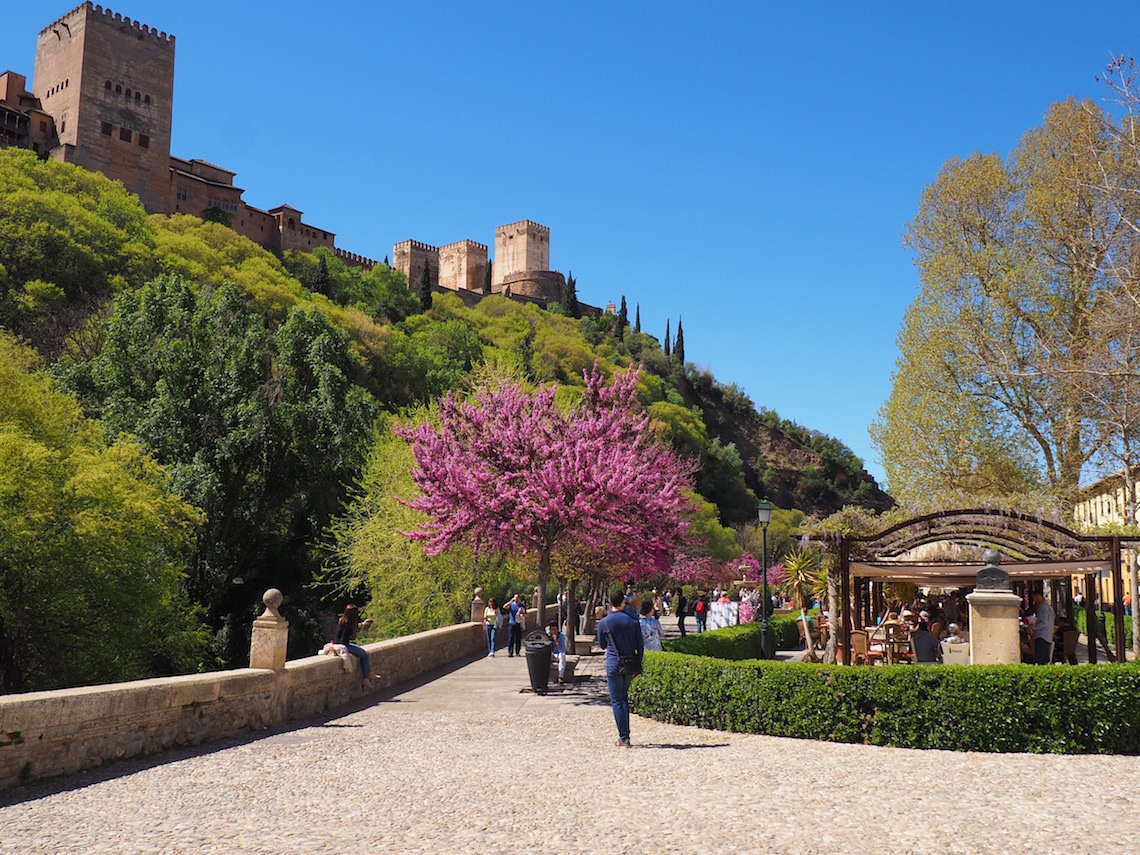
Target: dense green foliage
point(1007, 708)
point(245, 385)
point(93, 545)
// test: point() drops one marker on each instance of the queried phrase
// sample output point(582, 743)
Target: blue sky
point(748, 166)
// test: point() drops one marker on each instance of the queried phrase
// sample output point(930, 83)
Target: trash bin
point(538, 647)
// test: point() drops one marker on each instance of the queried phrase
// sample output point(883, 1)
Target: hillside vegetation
point(227, 410)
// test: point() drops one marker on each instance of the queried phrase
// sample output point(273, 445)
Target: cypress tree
point(321, 279)
point(637, 319)
point(487, 279)
point(623, 318)
point(386, 264)
point(570, 303)
point(679, 345)
point(425, 288)
point(666, 336)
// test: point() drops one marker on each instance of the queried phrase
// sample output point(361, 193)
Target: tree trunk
point(571, 625)
point(833, 607)
point(589, 625)
point(543, 578)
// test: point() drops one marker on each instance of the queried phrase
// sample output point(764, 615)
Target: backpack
point(700, 607)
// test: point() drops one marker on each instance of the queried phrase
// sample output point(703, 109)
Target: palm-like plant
point(803, 574)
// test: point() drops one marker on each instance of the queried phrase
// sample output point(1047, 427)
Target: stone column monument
point(270, 638)
point(478, 606)
point(993, 616)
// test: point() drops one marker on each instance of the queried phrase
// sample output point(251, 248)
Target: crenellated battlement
point(415, 244)
point(113, 18)
point(466, 243)
point(354, 259)
point(523, 224)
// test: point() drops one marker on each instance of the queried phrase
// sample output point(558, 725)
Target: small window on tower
point(105, 127)
point(128, 92)
point(107, 85)
point(118, 89)
point(62, 127)
point(43, 127)
point(124, 134)
point(146, 99)
point(144, 141)
point(137, 96)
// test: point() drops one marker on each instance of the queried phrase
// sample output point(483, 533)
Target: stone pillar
point(270, 638)
point(993, 628)
point(477, 606)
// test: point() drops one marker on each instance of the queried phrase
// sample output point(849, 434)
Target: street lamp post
point(767, 647)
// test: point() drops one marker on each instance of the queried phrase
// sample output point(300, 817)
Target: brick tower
point(519, 248)
point(108, 82)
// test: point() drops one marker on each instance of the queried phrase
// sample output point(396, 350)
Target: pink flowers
point(514, 472)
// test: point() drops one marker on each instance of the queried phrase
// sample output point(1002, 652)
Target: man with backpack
point(620, 635)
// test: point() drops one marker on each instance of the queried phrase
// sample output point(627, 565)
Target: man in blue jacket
point(620, 635)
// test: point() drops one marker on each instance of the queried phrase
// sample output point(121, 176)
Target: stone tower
point(108, 82)
point(462, 265)
point(519, 248)
point(410, 256)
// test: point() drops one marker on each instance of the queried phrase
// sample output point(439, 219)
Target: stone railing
point(45, 734)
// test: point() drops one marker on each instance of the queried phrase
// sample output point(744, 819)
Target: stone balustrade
point(45, 734)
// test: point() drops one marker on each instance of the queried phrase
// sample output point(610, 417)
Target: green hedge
point(1110, 627)
point(1006, 708)
point(737, 642)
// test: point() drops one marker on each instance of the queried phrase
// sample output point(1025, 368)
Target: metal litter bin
point(538, 657)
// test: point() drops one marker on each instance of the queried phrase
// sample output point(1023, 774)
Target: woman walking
point(491, 620)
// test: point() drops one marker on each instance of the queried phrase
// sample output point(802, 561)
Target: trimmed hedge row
point(1004, 708)
point(1109, 626)
point(737, 642)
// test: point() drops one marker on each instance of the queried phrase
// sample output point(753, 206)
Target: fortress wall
point(45, 734)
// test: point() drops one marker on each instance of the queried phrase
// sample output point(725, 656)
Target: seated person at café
point(955, 636)
point(926, 646)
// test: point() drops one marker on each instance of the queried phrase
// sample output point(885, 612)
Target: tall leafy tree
point(1012, 258)
point(93, 546)
point(637, 318)
point(512, 471)
point(487, 278)
point(425, 288)
point(623, 318)
point(570, 301)
point(679, 344)
point(668, 344)
point(261, 428)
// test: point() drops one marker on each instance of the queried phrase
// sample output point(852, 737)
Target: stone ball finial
point(479, 593)
point(991, 557)
point(273, 599)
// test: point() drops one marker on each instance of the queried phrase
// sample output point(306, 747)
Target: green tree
point(679, 345)
point(637, 319)
point(570, 301)
point(321, 280)
point(487, 278)
point(668, 344)
point(93, 546)
point(1012, 258)
point(425, 288)
point(622, 318)
point(262, 429)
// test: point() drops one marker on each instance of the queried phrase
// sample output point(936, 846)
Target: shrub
point(737, 642)
point(1005, 708)
point(1110, 626)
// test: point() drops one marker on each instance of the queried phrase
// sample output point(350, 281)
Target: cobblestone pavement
point(469, 763)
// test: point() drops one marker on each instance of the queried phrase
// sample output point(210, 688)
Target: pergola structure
point(1032, 549)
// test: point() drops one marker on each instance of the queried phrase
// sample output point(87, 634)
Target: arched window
point(137, 96)
point(128, 92)
point(146, 100)
point(292, 224)
point(107, 85)
point(118, 89)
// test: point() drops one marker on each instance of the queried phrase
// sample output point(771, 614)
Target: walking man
point(680, 610)
point(518, 616)
point(620, 635)
point(1042, 629)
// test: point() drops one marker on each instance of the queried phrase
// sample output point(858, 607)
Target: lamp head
point(764, 513)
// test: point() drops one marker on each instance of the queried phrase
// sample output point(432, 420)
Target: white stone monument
point(993, 616)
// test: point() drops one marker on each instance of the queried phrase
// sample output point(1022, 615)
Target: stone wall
point(44, 734)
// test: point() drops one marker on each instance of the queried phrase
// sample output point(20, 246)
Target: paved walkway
point(470, 763)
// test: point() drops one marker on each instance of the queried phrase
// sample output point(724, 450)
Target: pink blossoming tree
point(512, 471)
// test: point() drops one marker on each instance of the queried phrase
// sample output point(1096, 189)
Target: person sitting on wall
point(346, 630)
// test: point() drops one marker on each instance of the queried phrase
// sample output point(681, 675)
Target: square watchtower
point(108, 82)
point(519, 248)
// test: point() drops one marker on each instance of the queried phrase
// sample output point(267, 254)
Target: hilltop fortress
point(104, 100)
